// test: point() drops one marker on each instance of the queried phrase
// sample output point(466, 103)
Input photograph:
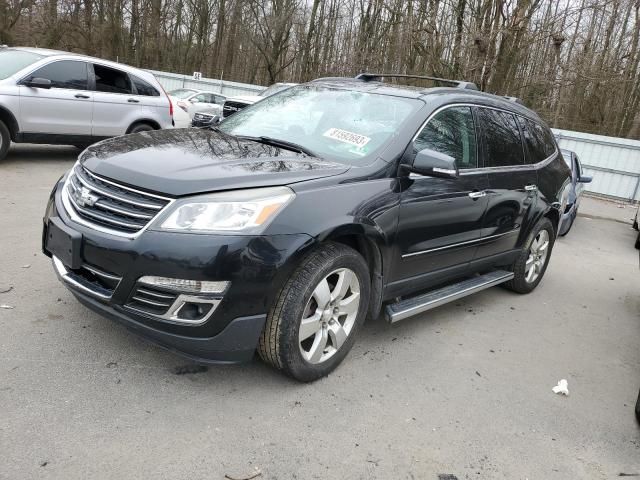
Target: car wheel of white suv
point(5, 140)
point(141, 127)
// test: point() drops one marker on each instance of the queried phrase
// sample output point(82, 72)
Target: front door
point(65, 108)
point(512, 190)
point(440, 219)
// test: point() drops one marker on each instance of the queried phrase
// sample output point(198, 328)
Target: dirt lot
point(464, 390)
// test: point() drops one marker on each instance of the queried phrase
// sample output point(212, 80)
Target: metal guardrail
point(615, 163)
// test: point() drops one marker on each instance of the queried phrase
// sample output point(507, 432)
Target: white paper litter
point(6, 307)
point(562, 387)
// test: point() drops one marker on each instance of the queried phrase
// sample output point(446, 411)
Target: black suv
point(281, 229)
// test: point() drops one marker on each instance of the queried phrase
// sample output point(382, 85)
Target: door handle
point(133, 100)
point(81, 95)
point(531, 188)
point(476, 195)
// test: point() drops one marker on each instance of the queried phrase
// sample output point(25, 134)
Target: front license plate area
point(64, 243)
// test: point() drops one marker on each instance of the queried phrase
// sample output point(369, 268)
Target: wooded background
point(574, 61)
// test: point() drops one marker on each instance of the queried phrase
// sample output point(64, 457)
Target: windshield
point(182, 93)
point(273, 89)
point(337, 124)
point(12, 61)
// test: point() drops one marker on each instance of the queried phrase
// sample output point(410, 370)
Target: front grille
point(95, 279)
point(202, 117)
point(151, 300)
point(231, 107)
point(100, 202)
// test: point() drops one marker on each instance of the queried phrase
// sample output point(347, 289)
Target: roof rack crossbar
point(369, 77)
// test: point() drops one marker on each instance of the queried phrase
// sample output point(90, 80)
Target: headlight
point(239, 211)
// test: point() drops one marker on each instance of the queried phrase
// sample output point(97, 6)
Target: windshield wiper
point(276, 142)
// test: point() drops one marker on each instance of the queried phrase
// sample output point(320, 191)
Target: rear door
point(152, 104)
point(65, 108)
point(116, 106)
point(440, 219)
point(512, 192)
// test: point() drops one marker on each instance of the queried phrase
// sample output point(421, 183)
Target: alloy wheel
point(537, 256)
point(329, 316)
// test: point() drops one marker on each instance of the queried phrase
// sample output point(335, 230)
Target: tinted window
point(219, 99)
point(111, 80)
point(64, 74)
point(578, 167)
point(143, 88)
point(539, 141)
point(12, 61)
point(451, 132)
point(503, 146)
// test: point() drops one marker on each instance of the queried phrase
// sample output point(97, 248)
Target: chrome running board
point(421, 303)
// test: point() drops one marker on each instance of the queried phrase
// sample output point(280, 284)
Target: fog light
point(186, 286)
point(193, 311)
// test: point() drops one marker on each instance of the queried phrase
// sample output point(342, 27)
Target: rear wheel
point(141, 127)
point(316, 316)
point(5, 140)
point(531, 264)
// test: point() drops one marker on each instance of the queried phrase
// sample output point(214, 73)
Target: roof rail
point(370, 77)
point(514, 99)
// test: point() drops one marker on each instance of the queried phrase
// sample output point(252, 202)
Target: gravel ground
point(464, 390)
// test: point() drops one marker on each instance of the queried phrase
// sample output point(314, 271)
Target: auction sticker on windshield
point(347, 137)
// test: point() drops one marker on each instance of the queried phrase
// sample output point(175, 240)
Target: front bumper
point(254, 266)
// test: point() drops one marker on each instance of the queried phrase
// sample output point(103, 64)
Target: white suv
point(54, 97)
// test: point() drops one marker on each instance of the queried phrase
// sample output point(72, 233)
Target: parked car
point(235, 104)
point(54, 97)
point(638, 408)
point(285, 226)
point(193, 101)
point(578, 179)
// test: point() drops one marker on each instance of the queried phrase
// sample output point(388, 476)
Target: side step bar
point(415, 305)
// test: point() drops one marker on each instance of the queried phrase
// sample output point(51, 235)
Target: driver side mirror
point(434, 164)
point(38, 83)
point(585, 179)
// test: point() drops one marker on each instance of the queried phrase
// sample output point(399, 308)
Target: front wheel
point(531, 264)
point(317, 314)
point(5, 140)
point(141, 127)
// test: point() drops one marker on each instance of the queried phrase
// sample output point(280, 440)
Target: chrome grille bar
point(108, 206)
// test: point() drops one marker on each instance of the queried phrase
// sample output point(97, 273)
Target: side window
point(539, 141)
point(503, 145)
point(110, 80)
point(451, 132)
point(64, 74)
point(219, 99)
point(202, 98)
point(578, 167)
point(143, 88)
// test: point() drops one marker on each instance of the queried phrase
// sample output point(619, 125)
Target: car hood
point(180, 162)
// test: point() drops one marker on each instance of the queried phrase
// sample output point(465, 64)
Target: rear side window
point(451, 132)
point(538, 139)
point(503, 145)
point(64, 74)
point(110, 80)
point(143, 88)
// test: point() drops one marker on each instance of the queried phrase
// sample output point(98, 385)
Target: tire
point(638, 241)
point(5, 140)
point(141, 127)
point(308, 359)
point(638, 408)
point(522, 282)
